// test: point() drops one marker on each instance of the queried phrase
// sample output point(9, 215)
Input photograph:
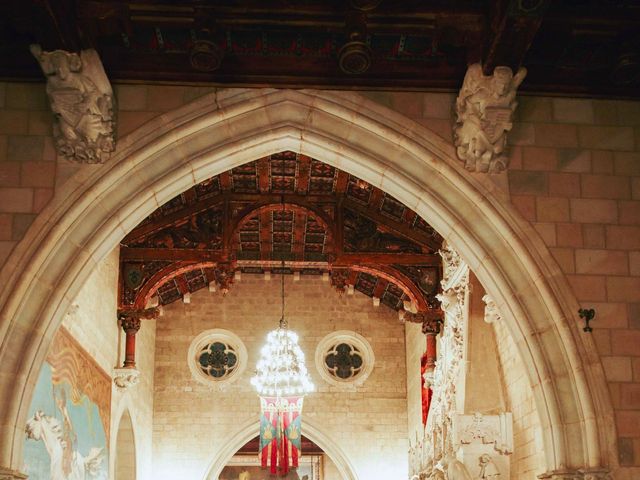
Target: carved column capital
point(484, 111)
point(82, 102)
point(130, 319)
point(8, 474)
point(129, 314)
point(431, 320)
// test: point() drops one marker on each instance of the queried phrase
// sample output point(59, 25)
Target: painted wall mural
point(67, 433)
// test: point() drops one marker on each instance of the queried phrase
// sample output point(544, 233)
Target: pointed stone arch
point(251, 429)
point(98, 207)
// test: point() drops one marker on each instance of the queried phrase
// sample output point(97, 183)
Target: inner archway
point(125, 454)
point(168, 155)
point(250, 429)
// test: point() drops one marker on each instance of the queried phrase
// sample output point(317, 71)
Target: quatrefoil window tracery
point(218, 359)
point(344, 361)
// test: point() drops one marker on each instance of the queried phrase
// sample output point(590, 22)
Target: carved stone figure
point(82, 103)
point(485, 108)
point(491, 312)
point(488, 469)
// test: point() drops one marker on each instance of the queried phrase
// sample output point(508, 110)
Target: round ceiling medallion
point(205, 56)
point(354, 57)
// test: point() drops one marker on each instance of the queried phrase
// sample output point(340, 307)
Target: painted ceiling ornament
point(484, 111)
point(82, 103)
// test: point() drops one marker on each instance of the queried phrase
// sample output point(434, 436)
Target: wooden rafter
point(513, 29)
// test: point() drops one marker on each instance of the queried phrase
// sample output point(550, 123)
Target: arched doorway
point(250, 429)
point(173, 152)
point(125, 454)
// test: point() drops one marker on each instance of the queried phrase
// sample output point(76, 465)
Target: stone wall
point(527, 460)
point(93, 322)
point(574, 175)
point(194, 421)
point(415, 345)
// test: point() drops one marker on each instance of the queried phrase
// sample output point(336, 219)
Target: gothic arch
point(251, 429)
point(98, 207)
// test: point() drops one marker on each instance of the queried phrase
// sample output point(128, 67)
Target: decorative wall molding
point(484, 111)
point(364, 351)
point(125, 378)
point(491, 312)
point(82, 102)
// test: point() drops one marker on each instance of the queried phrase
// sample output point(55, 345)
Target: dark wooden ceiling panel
point(572, 47)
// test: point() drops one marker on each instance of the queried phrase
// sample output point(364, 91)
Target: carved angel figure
point(485, 107)
point(82, 105)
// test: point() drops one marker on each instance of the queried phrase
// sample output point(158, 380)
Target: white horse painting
point(48, 429)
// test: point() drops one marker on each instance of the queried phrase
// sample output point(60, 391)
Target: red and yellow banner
point(280, 433)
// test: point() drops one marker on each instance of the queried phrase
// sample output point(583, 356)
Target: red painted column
point(130, 320)
point(430, 328)
point(130, 325)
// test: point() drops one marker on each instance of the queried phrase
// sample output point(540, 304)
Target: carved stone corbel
point(126, 377)
point(82, 102)
point(491, 312)
point(484, 111)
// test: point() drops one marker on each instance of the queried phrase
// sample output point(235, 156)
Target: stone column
point(131, 320)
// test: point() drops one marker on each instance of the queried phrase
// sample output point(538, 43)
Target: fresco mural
point(67, 433)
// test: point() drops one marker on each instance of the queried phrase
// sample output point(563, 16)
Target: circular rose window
point(217, 357)
point(344, 358)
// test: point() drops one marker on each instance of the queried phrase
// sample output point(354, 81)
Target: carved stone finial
point(82, 103)
point(485, 109)
point(126, 377)
point(491, 312)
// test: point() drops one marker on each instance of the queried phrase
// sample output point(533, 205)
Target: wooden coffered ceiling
point(318, 219)
point(573, 47)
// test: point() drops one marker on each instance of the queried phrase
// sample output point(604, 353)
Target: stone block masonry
point(192, 421)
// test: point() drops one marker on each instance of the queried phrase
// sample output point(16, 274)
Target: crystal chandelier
point(281, 370)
